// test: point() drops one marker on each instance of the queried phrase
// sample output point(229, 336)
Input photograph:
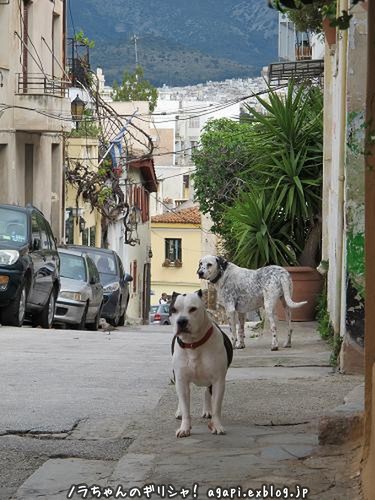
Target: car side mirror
point(36, 244)
point(128, 277)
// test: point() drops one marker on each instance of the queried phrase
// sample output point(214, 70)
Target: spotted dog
point(201, 354)
point(241, 290)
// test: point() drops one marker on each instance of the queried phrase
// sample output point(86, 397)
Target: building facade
point(34, 110)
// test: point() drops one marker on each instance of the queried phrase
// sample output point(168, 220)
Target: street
point(96, 408)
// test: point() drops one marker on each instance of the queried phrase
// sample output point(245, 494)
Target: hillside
point(180, 42)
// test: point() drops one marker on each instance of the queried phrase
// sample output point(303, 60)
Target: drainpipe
point(340, 301)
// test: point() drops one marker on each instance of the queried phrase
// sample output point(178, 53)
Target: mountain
point(179, 41)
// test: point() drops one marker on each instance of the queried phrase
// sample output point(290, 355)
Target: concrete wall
point(31, 144)
point(343, 185)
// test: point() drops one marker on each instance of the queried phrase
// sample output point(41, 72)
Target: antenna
point(135, 39)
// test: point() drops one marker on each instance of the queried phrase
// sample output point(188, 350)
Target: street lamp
point(77, 109)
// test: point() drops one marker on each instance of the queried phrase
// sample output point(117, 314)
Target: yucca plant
point(262, 235)
point(283, 184)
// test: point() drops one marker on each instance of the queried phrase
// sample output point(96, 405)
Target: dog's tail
point(286, 284)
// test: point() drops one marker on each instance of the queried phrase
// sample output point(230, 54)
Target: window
point(194, 122)
point(72, 266)
point(46, 244)
point(173, 249)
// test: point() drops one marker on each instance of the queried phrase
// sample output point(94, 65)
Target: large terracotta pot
point(329, 31)
point(307, 285)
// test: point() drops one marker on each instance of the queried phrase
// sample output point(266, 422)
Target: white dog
point(201, 355)
point(241, 290)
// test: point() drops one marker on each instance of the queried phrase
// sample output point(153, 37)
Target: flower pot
point(329, 31)
point(307, 285)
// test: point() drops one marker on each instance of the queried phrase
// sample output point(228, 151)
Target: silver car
point(159, 315)
point(80, 300)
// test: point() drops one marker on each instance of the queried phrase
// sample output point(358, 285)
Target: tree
point(134, 87)
point(221, 157)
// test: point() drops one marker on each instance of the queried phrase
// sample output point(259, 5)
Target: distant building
point(177, 247)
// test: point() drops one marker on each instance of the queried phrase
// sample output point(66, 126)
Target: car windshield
point(72, 266)
point(104, 262)
point(153, 309)
point(13, 227)
point(164, 308)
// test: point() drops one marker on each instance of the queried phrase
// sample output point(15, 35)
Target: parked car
point(29, 267)
point(80, 301)
point(114, 280)
point(159, 315)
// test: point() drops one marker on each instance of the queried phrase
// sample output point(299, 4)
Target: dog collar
point(217, 277)
point(194, 345)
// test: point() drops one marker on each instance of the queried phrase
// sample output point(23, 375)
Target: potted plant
point(277, 217)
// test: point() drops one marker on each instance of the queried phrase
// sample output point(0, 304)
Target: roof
point(146, 166)
point(189, 215)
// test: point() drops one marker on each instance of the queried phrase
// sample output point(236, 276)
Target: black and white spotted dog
point(241, 290)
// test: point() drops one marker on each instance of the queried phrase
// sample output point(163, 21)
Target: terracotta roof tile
point(189, 215)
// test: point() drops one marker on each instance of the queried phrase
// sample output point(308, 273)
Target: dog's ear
point(222, 263)
point(199, 293)
point(173, 300)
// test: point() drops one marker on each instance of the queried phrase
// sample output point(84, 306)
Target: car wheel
point(82, 324)
point(14, 314)
point(121, 321)
point(94, 326)
point(45, 318)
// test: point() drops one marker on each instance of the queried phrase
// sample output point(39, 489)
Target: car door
point(49, 267)
point(38, 292)
point(96, 288)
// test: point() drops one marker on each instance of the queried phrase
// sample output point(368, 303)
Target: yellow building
point(83, 225)
point(176, 239)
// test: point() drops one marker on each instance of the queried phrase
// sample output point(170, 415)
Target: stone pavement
point(272, 407)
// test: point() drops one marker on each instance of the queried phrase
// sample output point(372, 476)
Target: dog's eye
point(209, 265)
point(192, 309)
point(172, 310)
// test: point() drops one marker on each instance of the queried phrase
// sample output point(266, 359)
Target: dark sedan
point(114, 280)
point(29, 267)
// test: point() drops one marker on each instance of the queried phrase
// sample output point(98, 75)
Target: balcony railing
point(280, 73)
point(40, 84)
point(303, 53)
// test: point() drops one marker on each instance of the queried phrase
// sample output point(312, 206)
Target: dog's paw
point(183, 432)
point(287, 345)
point(216, 428)
point(274, 348)
point(206, 414)
point(241, 345)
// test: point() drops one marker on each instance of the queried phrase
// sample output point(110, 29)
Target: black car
point(29, 267)
point(114, 280)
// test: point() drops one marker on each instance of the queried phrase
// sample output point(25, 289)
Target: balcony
point(301, 71)
point(40, 84)
point(78, 63)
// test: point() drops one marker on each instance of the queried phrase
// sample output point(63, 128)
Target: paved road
point(79, 384)
point(87, 407)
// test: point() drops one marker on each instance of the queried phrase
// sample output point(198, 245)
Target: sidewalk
point(272, 407)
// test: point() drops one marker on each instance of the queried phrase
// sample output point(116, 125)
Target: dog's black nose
point(200, 274)
point(182, 323)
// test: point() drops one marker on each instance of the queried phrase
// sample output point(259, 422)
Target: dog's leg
point(178, 413)
point(183, 391)
point(269, 306)
point(217, 401)
point(232, 317)
point(288, 317)
point(207, 408)
point(241, 331)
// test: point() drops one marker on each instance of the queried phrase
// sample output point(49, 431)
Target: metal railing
point(280, 73)
point(40, 84)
